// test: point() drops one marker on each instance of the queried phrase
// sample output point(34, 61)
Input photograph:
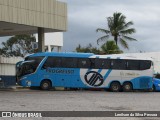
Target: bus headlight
point(28, 82)
point(158, 85)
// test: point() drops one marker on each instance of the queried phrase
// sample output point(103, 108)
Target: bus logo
point(94, 78)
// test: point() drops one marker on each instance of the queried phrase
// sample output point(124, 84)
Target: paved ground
point(37, 100)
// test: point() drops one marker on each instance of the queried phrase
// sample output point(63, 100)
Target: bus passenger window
point(84, 63)
point(118, 64)
point(57, 62)
point(52, 62)
point(102, 63)
point(133, 65)
point(145, 64)
point(69, 62)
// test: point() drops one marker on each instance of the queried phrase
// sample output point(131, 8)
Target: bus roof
point(87, 55)
point(62, 54)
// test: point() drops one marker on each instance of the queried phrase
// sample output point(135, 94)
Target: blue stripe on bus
point(100, 70)
point(90, 68)
point(107, 74)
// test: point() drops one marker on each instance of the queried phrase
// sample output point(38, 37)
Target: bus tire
point(45, 85)
point(127, 87)
point(115, 87)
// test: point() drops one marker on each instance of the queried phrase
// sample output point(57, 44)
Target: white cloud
point(85, 16)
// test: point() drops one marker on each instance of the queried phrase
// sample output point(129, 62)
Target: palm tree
point(119, 29)
point(110, 48)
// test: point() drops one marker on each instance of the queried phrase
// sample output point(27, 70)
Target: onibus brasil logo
point(94, 78)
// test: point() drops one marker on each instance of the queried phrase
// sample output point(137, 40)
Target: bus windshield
point(28, 66)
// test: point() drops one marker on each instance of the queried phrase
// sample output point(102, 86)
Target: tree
point(110, 48)
point(119, 29)
point(18, 45)
point(107, 48)
point(88, 49)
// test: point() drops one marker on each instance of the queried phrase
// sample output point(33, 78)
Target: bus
point(85, 70)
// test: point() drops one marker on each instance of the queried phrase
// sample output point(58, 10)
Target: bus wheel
point(127, 87)
point(45, 85)
point(115, 87)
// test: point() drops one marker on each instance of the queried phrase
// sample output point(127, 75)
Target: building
point(8, 71)
point(53, 41)
point(29, 17)
point(32, 16)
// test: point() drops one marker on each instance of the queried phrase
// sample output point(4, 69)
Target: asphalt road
point(37, 100)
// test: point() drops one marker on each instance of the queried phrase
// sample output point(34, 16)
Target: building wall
point(40, 13)
point(55, 39)
point(8, 70)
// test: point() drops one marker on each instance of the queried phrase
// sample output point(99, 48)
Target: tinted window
point(69, 62)
point(118, 64)
point(85, 63)
point(133, 64)
point(102, 63)
point(53, 62)
point(145, 64)
point(36, 61)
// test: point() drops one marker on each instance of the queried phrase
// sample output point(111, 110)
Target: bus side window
point(69, 62)
point(145, 64)
point(47, 63)
point(118, 64)
point(102, 63)
point(56, 62)
point(52, 62)
point(133, 64)
point(84, 63)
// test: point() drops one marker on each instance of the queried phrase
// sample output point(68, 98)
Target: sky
point(85, 16)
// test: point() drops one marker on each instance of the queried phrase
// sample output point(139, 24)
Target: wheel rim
point(127, 87)
point(115, 87)
point(45, 85)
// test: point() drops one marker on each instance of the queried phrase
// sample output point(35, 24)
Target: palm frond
point(103, 38)
point(124, 26)
point(128, 24)
point(102, 30)
point(127, 31)
point(129, 38)
point(110, 21)
point(118, 19)
point(124, 43)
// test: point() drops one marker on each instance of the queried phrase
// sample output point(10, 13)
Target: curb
point(14, 88)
